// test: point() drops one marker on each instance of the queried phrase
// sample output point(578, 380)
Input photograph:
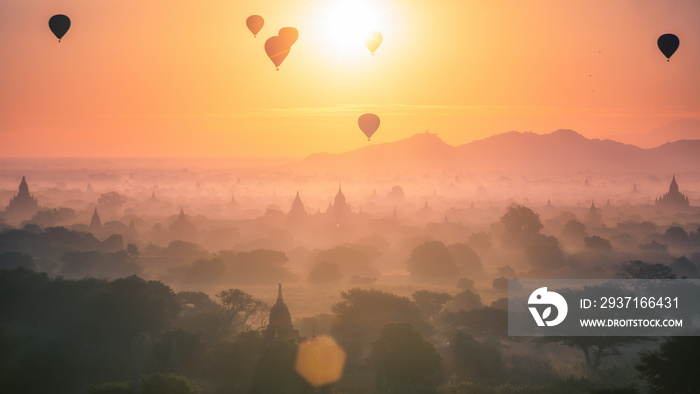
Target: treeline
point(135, 336)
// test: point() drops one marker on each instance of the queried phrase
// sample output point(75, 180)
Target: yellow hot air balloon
point(373, 40)
point(255, 24)
point(369, 123)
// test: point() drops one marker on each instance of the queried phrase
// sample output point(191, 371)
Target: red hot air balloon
point(668, 43)
point(255, 24)
point(277, 50)
point(289, 34)
point(369, 123)
point(59, 25)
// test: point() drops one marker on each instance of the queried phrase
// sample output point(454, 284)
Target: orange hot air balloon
point(255, 24)
point(369, 123)
point(289, 34)
point(277, 50)
point(373, 40)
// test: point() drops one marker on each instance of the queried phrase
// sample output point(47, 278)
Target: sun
point(349, 22)
point(344, 25)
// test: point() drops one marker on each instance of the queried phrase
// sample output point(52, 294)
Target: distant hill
point(559, 151)
point(679, 129)
point(419, 151)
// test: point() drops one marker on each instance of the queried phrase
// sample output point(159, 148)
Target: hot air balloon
point(59, 25)
point(668, 43)
point(369, 123)
point(289, 34)
point(277, 50)
point(255, 23)
point(373, 40)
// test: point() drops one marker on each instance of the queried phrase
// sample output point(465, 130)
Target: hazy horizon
point(338, 196)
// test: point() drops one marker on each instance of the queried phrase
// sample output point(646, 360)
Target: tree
point(198, 300)
point(595, 348)
point(132, 250)
point(204, 272)
point(640, 270)
point(544, 253)
point(231, 363)
point(673, 367)
point(261, 266)
point(111, 388)
point(574, 230)
point(362, 313)
point(487, 322)
point(405, 362)
point(597, 243)
point(465, 301)
point(200, 313)
point(111, 200)
point(274, 372)
point(431, 260)
point(522, 226)
point(480, 241)
point(325, 272)
point(677, 236)
point(396, 193)
point(51, 217)
point(684, 267)
point(160, 383)
point(127, 307)
point(179, 346)
point(431, 302)
point(471, 359)
point(467, 261)
point(353, 259)
point(239, 306)
point(10, 260)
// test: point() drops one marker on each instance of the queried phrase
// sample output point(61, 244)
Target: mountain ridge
point(561, 150)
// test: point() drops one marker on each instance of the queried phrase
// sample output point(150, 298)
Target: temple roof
point(279, 313)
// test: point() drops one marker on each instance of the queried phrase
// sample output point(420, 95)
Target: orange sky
point(186, 78)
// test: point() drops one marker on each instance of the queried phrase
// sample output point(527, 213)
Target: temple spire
point(673, 188)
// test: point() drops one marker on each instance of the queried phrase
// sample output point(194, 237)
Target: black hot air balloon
point(59, 25)
point(668, 43)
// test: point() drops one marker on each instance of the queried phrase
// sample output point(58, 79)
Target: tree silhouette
point(522, 226)
point(239, 306)
point(638, 269)
point(275, 374)
point(431, 260)
point(431, 302)
point(160, 383)
point(595, 348)
point(673, 367)
point(231, 363)
point(362, 313)
point(471, 359)
point(405, 362)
